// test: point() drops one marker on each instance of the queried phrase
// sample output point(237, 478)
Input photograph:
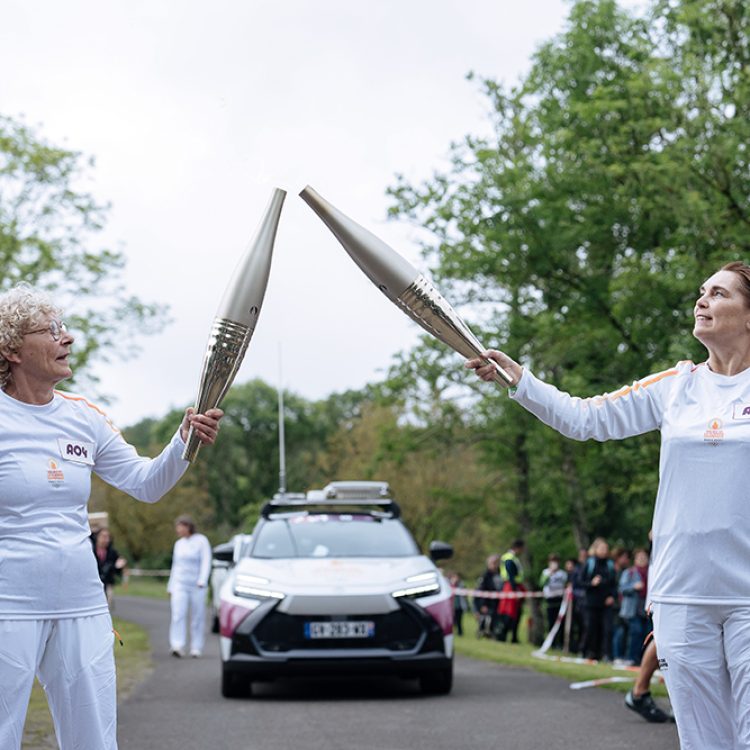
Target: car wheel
point(234, 685)
point(437, 682)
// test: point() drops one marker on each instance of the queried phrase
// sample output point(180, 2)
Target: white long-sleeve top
point(47, 454)
point(191, 563)
point(701, 527)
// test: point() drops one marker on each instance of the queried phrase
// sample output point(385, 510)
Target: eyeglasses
point(56, 329)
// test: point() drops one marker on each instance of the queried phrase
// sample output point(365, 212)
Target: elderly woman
point(700, 574)
point(54, 619)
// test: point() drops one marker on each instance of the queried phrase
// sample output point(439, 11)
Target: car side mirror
point(223, 552)
point(440, 550)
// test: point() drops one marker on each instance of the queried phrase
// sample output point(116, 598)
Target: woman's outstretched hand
point(487, 371)
point(206, 425)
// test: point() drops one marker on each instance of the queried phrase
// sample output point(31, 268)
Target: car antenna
point(282, 446)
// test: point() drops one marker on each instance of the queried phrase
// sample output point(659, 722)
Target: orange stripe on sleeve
point(641, 384)
point(71, 397)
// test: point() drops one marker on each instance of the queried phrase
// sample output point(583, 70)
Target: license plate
point(355, 629)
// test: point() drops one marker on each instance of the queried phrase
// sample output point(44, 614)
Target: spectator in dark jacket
point(622, 561)
point(633, 587)
point(460, 605)
point(600, 581)
point(108, 560)
point(486, 607)
point(576, 569)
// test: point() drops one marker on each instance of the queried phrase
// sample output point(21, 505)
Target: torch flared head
point(244, 293)
point(236, 317)
point(391, 273)
point(400, 282)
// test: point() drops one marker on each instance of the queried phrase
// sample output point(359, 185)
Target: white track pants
point(704, 654)
point(74, 661)
point(181, 600)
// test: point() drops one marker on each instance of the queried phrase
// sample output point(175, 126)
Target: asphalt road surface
point(179, 707)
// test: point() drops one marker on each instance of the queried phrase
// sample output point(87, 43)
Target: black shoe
point(646, 707)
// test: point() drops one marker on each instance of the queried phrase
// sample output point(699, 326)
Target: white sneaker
point(178, 652)
point(195, 654)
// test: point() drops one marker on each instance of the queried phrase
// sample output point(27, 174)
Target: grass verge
point(153, 588)
point(519, 655)
point(133, 662)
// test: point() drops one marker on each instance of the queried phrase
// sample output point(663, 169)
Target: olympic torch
point(236, 317)
point(403, 284)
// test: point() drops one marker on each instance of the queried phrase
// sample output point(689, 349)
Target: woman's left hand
point(206, 425)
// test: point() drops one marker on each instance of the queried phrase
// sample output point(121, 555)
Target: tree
point(615, 181)
point(48, 225)
point(431, 464)
point(144, 532)
point(225, 488)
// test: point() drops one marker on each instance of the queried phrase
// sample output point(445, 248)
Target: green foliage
point(614, 182)
point(144, 532)
point(48, 224)
point(245, 472)
point(225, 488)
point(575, 237)
point(434, 472)
point(148, 587)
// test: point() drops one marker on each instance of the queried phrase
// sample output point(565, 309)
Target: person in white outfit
point(54, 618)
point(699, 583)
point(188, 578)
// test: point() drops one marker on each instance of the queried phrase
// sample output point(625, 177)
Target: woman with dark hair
point(188, 578)
point(108, 561)
point(699, 582)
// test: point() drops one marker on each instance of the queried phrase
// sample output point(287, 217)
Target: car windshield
point(242, 547)
point(333, 535)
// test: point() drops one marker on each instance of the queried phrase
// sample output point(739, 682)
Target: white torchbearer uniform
point(54, 618)
point(699, 579)
point(188, 578)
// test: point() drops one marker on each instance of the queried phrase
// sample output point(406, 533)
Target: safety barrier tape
point(657, 677)
point(498, 594)
point(564, 659)
point(567, 598)
point(596, 683)
point(149, 573)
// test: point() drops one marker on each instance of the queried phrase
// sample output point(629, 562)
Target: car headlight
point(249, 587)
point(423, 584)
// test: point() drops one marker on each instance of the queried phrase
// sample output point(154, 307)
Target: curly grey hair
point(22, 308)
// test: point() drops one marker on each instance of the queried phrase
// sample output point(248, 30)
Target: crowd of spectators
point(607, 618)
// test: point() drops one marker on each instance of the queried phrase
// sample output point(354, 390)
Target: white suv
point(224, 558)
point(334, 583)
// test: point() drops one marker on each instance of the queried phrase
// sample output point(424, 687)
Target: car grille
point(280, 632)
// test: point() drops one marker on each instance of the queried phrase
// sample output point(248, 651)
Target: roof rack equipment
point(349, 494)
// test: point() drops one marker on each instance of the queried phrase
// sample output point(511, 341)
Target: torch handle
point(192, 446)
point(501, 375)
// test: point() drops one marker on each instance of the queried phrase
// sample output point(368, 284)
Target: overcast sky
point(194, 111)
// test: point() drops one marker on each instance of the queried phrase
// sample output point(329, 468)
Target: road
point(179, 707)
